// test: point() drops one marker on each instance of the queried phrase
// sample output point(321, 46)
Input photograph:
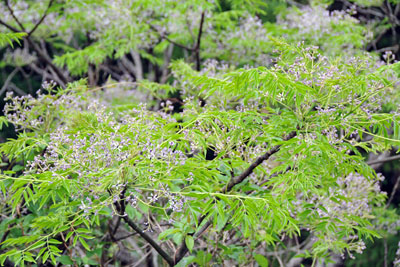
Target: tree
point(86, 162)
point(253, 152)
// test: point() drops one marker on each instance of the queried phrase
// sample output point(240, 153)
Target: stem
point(393, 192)
point(197, 47)
point(372, 162)
point(121, 208)
point(238, 179)
point(180, 253)
point(164, 36)
point(42, 18)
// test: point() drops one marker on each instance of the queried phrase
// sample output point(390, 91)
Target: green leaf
point(10, 37)
point(189, 241)
point(17, 168)
point(168, 232)
point(83, 230)
point(45, 256)
point(261, 260)
point(65, 260)
point(37, 245)
point(84, 244)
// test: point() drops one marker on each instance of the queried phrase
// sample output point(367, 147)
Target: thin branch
point(47, 60)
point(180, 253)
point(56, 77)
point(136, 228)
point(164, 36)
point(42, 18)
point(393, 192)
point(238, 179)
point(376, 40)
point(372, 162)
point(397, 9)
point(13, 15)
point(149, 240)
point(196, 49)
point(8, 26)
point(393, 48)
point(138, 64)
point(273, 176)
point(16, 89)
point(124, 237)
point(35, 47)
point(368, 11)
point(138, 263)
point(8, 80)
point(117, 225)
point(167, 60)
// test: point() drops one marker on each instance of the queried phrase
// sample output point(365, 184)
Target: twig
point(180, 253)
point(149, 240)
point(238, 179)
point(42, 18)
point(393, 192)
point(8, 80)
point(136, 228)
point(8, 26)
point(39, 51)
point(196, 49)
point(142, 259)
point(167, 60)
point(372, 162)
point(368, 11)
point(124, 237)
point(117, 225)
point(393, 48)
point(16, 89)
point(164, 36)
point(13, 15)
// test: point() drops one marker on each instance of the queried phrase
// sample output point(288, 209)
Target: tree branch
point(8, 26)
point(196, 49)
point(163, 36)
point(42, 18)
point(8, 80)
point(121, 208)
point(38, 50)
point(396, 185)
point(138, 65)
point(146, 237)
point(180, 253)
point(238, 179)
point(14, 17)
point(372, 162)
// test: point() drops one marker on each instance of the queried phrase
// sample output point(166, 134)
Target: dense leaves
point(255, 139)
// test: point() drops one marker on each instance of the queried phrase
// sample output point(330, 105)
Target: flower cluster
point(228, 45)
point(353, 197)
point(27, 112)
point(19, 111)
point(331, 30)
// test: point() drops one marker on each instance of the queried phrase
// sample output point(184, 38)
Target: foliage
point(83, 162)
point(199, 130)
point(9, 38)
